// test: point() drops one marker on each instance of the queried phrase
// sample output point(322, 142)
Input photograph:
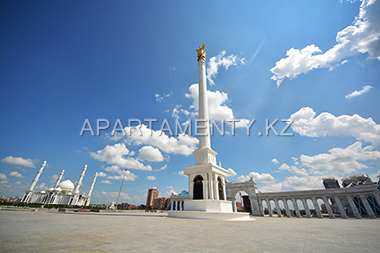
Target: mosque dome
point(58, 189)
point(51, 189)
point(42, 191)
point(66, 185)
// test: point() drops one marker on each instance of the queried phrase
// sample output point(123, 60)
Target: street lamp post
point(121, 186)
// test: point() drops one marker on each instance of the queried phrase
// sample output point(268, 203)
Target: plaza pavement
point(50, 231)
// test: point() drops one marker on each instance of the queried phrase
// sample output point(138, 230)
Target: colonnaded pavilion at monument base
point(210, 196)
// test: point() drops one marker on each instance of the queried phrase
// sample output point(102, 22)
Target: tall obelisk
point(204, 130)
point(29, 192)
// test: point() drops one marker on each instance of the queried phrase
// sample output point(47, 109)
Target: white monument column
point(286, 208)
point(204, 130)
point(316, 207)
point(294, 201)
point(59, 179)
point(341, 209)
point(76, 191)
point(28, 193)
point(367, 207)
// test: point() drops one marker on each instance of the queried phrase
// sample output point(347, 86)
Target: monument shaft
point(204, 130)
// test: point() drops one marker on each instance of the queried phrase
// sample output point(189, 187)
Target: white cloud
point(114, 195)
point(102, 174)
point(169, 187)
point(15, 174)
point(184, 144)
point(343, 161)
point(169, 193)
point(274, 160)
point(263, 178)
point(294, 169)
point(231, 172)
point(181, 173)
point(163, 167)
point(106, 182)
point(161, 97)
point(151, 154)
point(361, 37)
point(221, 60)
point(3, 176)
point(359, 93)
point(306, 124)
point(42, 186)
point(19, 161)
point(115, 155)
point(217, 108)
point(151, 178)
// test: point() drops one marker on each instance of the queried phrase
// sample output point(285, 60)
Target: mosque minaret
point(29, 191)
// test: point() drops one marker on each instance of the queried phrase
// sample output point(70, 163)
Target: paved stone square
point(49, 231)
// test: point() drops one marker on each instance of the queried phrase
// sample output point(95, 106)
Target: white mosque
point(63, 193)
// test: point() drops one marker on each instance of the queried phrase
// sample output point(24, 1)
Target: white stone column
point(216, 188)
point(277, 208)
point(191, 189)
point(76, 191)
point(59, 179)
point(353, 207)
point(315, 203)
point(204, 130)
point(306, 207)
point(269, 208)
point(205, 192)
point(224, 190)
point(328, 207)
point(286, 208)
point(341, 209)
point(377, 198)
point(298, 214)
point(367, 207)
point(234, 206)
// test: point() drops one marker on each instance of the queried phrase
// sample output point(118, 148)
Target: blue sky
point(63, 62)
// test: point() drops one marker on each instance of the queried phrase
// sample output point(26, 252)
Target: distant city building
point(161, 203)
point(4, 199)
point(330, 183)
point(152, 195)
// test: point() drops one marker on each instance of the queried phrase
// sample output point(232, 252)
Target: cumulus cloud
point(183, 144)
point(115, 169)
point(151, 178)
point(221, 60)
point(264, 178)
point(294, 169)
point(169, 193)
point(360, 92)
point(151, 154)
point(19, 161)
point(306, 124)
point(3, 176)
point(274, 160)
point(217, 108)
point(102, 174)
point(182, 173)
point(343, 161)
point(231, 172)
point(116, 155)
point(363, 36)
point(15, 174)
point(106, 182)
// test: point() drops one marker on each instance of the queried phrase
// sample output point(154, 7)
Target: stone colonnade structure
point(362, 192)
